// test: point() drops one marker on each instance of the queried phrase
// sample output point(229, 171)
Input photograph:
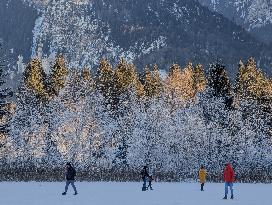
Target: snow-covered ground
point(35, 193)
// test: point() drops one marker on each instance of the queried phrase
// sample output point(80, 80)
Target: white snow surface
point(128, 193)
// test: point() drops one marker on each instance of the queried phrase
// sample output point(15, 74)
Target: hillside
point(253, 15)
point(145, 32)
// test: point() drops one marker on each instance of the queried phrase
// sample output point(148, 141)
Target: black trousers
point(202, 186)
point(149, 185)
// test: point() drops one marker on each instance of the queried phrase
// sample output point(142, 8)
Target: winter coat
point(70, 173)
point(144, 173)
point(202, 175)
point(228, 174)
point(150, 178)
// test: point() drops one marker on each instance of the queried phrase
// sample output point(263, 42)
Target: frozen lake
point(112, 193)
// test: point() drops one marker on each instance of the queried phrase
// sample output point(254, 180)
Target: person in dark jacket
point(150, 179)
point(229, 179)
point(70, 178)
point(145, 175)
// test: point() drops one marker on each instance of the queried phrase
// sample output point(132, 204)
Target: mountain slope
point(145, 32)
point(16, 24)
point(254, 15)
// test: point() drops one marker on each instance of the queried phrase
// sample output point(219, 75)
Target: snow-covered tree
point(6, 107)
point(58, 76)
point(35, 78)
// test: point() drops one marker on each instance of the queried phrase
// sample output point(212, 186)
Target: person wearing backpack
point(70, 178)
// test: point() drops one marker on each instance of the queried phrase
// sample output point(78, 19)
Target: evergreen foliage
point(58, 76)
point(116, 122)
point(218, 80)
point(5, 94)
point(35, 78)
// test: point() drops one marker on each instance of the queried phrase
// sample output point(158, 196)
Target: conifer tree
point(74, 86)
point(180, 86)
point(218, 80)
point(86, 74)
point(88, 83)
point(5, 93)
point(124, 81)
point(268, 88)
point(104, 79)
point(172, 85)
point(250, 82)
point(174, 70)
point(188, 83)
point(153, 83)
point(124, 76)
point(157, 81)
point(35, 78)
point(199, 78)
point(139, 87)
point(148, 84)
point(58, 75)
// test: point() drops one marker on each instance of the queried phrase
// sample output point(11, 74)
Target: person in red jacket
point(229, 179)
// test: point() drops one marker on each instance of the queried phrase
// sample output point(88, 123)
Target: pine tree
point(199, 78)
point(153, 83)
point(174, 70)
point(148, 84)
point(268, 88)
point(188, 86)
point(88, 84)
point(5, 93)
point(74, 85)
point(30, 129)
point(180, 85)
point(157, 81)
point(250, 82)
point(139, 87)
point(124, 76)
point(218, 81)
point(35, 78)
point(104, 79)
point(252, 89)
point(58, 76)
point(86, 74)
point(172, 84)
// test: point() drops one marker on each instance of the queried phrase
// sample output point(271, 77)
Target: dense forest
point(111, 123)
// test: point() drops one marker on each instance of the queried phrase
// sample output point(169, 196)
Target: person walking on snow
point(229, 179)
point(145, 176)
point(202, 177)
point(70, 178)
point(150, 179)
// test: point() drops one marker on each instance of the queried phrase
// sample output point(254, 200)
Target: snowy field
point(35, 193)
